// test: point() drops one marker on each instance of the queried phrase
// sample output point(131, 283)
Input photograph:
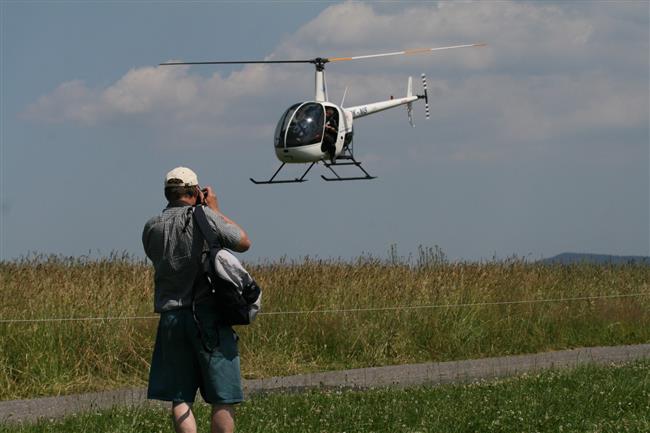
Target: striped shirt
point(175, 245)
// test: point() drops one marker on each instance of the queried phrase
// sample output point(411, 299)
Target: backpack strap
point(205, 228)
point(214, 246)
point(209, 235)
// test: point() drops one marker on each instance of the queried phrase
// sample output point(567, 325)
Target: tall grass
point(46, 358)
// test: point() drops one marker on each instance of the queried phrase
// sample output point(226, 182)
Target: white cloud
point(70, 101)
point(145, 89)
point(169, 97)
point(545, 73)
point(515, 31)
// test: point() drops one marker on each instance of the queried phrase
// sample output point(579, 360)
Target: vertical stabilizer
point(409, 90)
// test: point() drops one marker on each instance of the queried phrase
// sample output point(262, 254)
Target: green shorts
point(184, 362)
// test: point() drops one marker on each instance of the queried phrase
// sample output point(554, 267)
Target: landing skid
point(345, 158)
point(270, 181)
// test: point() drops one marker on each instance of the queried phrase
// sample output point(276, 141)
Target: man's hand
point(210, 198)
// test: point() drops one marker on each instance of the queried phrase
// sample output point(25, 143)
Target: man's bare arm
point(210, 199)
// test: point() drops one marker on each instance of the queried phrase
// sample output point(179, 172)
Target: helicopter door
point(306, 127)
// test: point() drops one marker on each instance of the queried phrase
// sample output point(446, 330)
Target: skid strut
point(296, 180)
point(349, 160)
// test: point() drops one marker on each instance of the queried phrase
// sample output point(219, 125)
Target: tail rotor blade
point(426, 96)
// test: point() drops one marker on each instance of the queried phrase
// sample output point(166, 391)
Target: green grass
point(38, 359)
point(587, 399)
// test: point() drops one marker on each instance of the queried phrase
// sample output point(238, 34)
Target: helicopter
point(310, 132)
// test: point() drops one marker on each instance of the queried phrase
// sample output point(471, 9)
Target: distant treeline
point(596, 259)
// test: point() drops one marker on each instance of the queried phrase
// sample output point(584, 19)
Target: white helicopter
point(321, 131)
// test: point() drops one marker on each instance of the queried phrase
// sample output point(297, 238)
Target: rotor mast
point(320, 83)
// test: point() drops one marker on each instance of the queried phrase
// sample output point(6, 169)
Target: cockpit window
point(306, 126)
point(281, 129)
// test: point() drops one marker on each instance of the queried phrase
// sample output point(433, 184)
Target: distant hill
point(600, 259)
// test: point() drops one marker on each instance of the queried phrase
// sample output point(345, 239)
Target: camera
point(205, 195)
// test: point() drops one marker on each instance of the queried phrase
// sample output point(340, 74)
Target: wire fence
point(348, 310)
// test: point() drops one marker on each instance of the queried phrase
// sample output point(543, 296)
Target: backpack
point(238, 297)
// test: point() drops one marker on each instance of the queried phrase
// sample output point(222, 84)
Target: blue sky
point(537, 144)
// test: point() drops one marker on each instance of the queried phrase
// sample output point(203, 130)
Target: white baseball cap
point(186, 176)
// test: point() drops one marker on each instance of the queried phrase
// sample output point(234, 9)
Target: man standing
point(192, 351)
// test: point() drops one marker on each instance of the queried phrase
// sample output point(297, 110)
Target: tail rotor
point(425, 96)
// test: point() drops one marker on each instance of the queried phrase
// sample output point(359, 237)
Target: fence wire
point(346, 310)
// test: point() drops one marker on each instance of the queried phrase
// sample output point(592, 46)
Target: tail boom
point(376, 107)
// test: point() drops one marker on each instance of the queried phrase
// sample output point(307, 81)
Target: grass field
point(588, 399)
point(51, 358)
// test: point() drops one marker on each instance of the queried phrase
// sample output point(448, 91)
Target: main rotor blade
point(397, 53)
point(236, 62)
point(319, 61)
